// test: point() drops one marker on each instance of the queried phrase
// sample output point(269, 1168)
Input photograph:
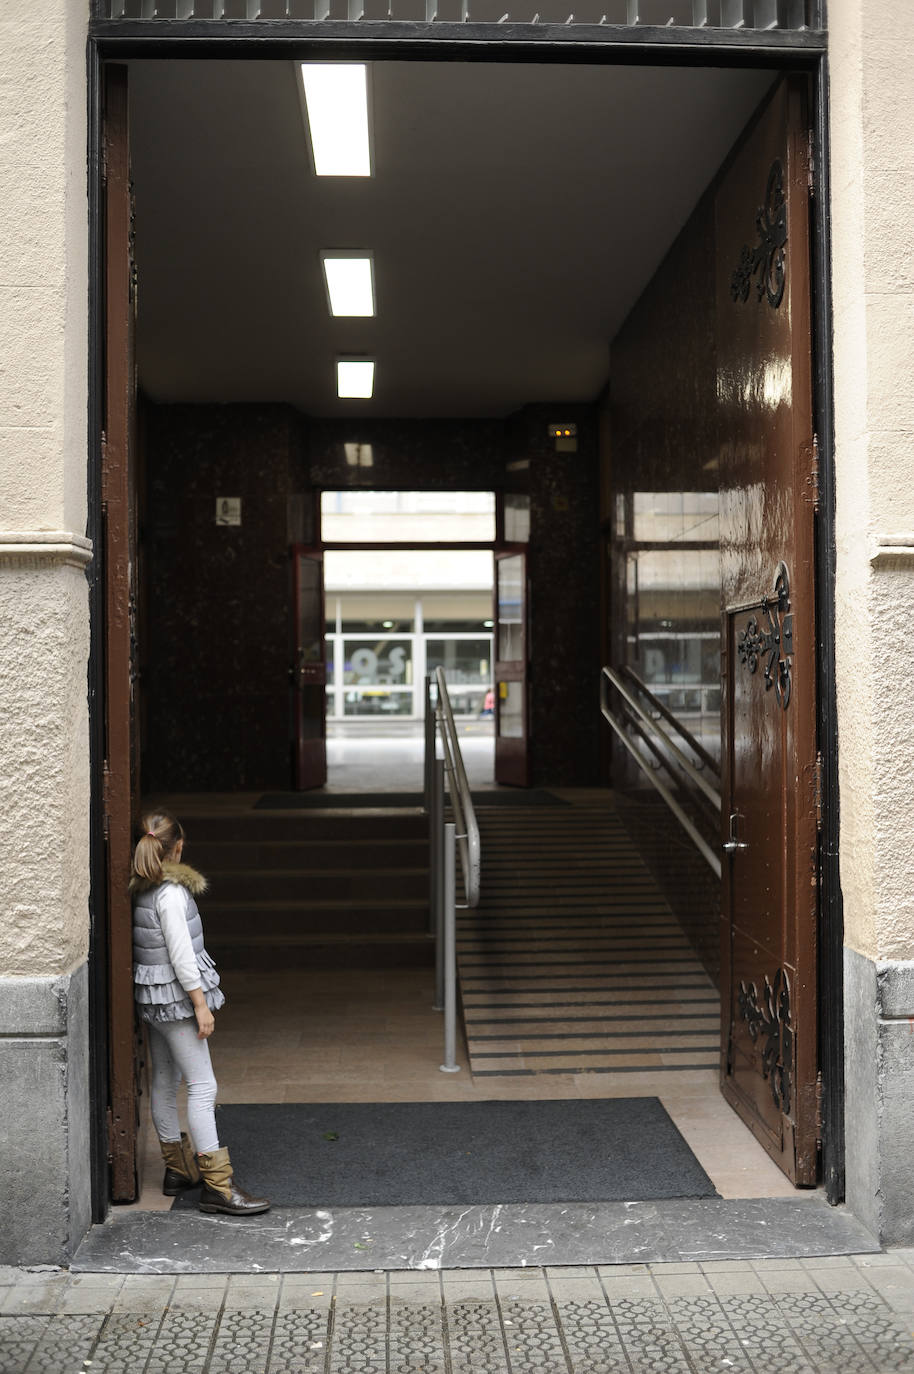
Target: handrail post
point(436, 877)
point(461, 796)
point(449, 941)
point(429, 742)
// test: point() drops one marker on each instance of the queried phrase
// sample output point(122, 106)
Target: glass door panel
point(512, 764)
point(309, 672)
point(509, 584)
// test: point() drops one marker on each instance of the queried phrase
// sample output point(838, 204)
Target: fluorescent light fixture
point(336, 103)
point(349, 278)
point(355, 378)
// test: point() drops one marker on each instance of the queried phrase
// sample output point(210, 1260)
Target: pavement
point(827, 1315)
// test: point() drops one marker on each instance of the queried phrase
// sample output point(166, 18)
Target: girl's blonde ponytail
point(159, 832)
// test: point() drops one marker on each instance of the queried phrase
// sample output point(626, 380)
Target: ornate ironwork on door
point(768, 1021)
point(767, 259)
point(771, 641)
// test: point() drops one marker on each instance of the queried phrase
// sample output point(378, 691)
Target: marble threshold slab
point(298, 1240)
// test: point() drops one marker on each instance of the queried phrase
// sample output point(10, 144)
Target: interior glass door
point(512, 764)
point(309, 671)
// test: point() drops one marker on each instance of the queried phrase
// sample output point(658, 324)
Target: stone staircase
point(314, 887)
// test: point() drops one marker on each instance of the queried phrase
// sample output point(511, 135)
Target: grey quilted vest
point(159, 995)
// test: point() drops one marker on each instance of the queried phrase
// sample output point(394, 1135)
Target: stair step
point(356, 951)
point(285, 923)
point(328, 906)
point(265, 885)
point(305, 825)
point(350, 852)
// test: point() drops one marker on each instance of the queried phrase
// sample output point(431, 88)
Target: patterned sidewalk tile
point(654, 1319)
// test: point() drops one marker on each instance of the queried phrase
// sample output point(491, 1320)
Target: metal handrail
point(608, 676)
point(467, 833)
point(697, 749)
point(444, 839)
point(688, 767)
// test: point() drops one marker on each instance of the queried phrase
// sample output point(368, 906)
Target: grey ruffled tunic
point(159, 994)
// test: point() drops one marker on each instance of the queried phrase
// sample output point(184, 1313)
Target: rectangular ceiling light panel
point(336, 102)
point(355, 379)
point(350, 282)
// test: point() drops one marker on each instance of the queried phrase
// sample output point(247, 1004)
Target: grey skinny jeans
point(176, 1053)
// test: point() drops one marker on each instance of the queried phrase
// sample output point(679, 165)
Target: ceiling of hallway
point(515, 214)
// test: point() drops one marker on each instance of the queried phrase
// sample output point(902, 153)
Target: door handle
point(734, 844)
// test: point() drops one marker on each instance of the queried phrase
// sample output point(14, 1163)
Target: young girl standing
point(177, 990)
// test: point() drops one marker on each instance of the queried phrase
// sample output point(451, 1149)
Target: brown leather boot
point(180, 1166)
point(220, 1191)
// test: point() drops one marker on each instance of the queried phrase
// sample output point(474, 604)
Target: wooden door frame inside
point(213, 40)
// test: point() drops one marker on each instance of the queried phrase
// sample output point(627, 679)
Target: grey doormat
point(390, 1154)
point(324, 801)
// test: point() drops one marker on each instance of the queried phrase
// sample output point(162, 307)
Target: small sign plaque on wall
point(228, 510)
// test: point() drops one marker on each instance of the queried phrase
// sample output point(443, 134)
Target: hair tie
point(151, 834)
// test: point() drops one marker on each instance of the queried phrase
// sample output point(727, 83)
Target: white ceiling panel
point(515, 214)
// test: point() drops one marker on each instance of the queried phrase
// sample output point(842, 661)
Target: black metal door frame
point(113, 40)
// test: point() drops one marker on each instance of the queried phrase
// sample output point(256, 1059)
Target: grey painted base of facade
point(879, 1079)
point(44, 1117)
point(299, 1240)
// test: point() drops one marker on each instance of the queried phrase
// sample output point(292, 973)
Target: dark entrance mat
point(389, 1154)
point(323, 801)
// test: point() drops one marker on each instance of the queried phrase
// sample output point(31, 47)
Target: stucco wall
point(872, 168)
point(43, 601)
point(872, 97)
point(44, 632)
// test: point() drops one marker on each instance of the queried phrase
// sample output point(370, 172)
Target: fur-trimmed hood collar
point(182, 874)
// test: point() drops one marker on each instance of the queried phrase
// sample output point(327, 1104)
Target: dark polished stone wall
point(215, 629)
point(662, 528)
point(445, 455)
point(564, 596)
point(215, 650)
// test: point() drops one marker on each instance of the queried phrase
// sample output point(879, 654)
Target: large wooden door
point(119, 555)
point(769, 1049)
point(512, 745)
point(309, 670)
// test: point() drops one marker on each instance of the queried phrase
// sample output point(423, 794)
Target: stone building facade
point(45, 836)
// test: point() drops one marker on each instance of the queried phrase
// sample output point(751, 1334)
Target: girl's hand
point(206, 1022)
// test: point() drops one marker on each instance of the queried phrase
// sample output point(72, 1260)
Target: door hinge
point(820, 769)
point(105, 468)
point(810, 456)
point(811, 162)
point(106, 801)
point(109, 1123)
point(820, 1119)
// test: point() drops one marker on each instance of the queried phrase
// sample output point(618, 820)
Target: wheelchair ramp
point(573, 962)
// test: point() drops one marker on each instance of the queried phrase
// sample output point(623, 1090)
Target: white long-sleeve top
point(171, 909)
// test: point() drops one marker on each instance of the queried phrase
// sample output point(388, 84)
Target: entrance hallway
point(311, 1019)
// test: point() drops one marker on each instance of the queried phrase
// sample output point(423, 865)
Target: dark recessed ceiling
point(515, 214)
